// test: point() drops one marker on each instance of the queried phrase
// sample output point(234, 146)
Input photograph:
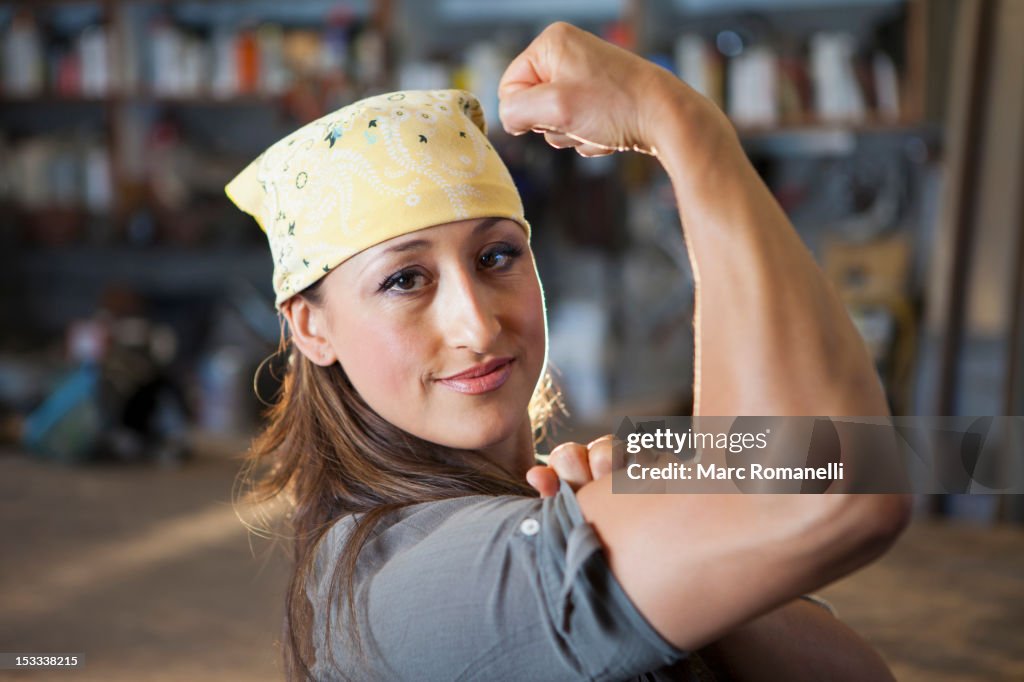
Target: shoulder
point(453, 526)
point(463, 575)
point(413, 523)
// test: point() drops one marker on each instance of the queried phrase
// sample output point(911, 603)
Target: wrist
point(691, 136)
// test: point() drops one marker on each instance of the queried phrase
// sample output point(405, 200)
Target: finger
point(600, 456)
point(532, 66)
point(522, 72)
point(569, 460)
point(545, 105)
point(544, 479)
point(590, 150)
point(559, 141)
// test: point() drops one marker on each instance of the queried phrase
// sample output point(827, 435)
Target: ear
point(309, 331)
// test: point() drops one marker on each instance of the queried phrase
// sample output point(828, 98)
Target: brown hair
point(326, 453)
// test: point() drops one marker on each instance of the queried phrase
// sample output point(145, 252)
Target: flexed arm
point(772, 338)
point(770, 335)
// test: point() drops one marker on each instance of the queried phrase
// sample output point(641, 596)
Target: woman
point(404, 433)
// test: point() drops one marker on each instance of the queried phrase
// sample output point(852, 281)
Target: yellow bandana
point(373, 170)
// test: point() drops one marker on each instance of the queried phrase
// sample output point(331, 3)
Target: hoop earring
point(256, 378)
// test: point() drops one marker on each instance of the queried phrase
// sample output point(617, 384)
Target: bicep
point(698, 565)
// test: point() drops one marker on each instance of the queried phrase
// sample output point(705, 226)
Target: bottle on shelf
point(23, 57)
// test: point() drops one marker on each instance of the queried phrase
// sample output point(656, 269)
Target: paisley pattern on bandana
point(371, 171)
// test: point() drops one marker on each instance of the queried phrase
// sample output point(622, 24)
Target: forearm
point(771, 335)
point(799, 641)
point(771, 338)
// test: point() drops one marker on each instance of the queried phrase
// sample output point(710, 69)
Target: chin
point(478, 433)
point(478, 441)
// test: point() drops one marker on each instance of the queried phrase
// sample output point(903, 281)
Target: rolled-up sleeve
point(489, 588)
point(608, 636)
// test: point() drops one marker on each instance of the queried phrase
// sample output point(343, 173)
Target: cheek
point(533, 314)
point(532, 324)
point(379, 359)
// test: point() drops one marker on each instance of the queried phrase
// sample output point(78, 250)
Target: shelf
point(48, 99)
point(855, 127)
point(747, 132)
point(529, 10)
point(825, 139)
point(318, 6)
point(56, 3)
point(196, 100)
point(156, 268)
point(722, 6)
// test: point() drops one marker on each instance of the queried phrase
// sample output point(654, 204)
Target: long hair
point(325, 453)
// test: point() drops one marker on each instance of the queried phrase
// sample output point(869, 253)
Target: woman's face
point(405, 316)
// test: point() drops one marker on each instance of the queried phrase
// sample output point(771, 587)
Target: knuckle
point(571, 462)
point(563, 452)
point(580, 457)
point(601, 453)
point(558, 29)
point(602, 448)
point(601, 459)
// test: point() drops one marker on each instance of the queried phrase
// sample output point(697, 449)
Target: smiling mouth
point(481, 384)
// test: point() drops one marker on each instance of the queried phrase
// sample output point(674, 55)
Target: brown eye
point(500, 257)
point(402, 281)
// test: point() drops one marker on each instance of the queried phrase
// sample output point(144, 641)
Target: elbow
point(880, 520)
point(894, 515)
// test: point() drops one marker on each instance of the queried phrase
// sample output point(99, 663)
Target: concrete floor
point(147, 572)
point(150, 575)
point(946, 604)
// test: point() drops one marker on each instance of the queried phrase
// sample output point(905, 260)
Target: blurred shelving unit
point(121, 120)
point(124, 118)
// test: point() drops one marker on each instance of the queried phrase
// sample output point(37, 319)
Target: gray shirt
point(488, 588)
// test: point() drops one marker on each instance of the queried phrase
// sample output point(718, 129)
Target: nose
point(467, 312)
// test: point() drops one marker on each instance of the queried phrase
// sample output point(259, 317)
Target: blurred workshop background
point(136, 307)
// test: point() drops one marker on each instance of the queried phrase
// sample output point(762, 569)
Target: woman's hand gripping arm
point(796, 641)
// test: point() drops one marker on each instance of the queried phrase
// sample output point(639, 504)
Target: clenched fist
point(583, 92)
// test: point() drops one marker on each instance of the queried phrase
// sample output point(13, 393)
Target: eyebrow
point(416, 244)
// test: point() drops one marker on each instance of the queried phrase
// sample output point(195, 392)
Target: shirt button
point(529, 527)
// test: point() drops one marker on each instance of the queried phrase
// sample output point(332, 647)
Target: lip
point(481, 379)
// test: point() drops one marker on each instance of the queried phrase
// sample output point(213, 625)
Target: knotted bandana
point(371, 171)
